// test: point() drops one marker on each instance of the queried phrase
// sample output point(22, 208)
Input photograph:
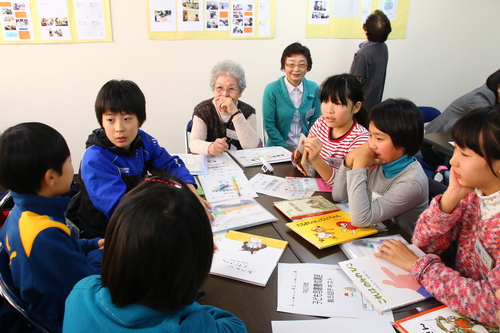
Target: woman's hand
point(100, 243)
point(218, 147)
point(225, 104)
point(397, 253)
point(453, 194)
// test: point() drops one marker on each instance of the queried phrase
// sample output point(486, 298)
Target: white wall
point(450, 48)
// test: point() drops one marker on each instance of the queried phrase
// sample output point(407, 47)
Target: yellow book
point(329, 229)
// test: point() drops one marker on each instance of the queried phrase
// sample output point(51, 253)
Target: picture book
point(307, 184)
point(384, 284)
point(251, 157)
point(275, 186)
point(196, 164)
point(329, 229)
point(218, 188)
point(300, 158)
point(301, 208)
point(440, 319)
point(238, 213)
point(366, 246)
point(245, 257)
point(322, 290)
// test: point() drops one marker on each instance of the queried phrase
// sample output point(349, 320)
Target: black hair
point(402, 120)
point(27, 151)
point(492, 82)
point(341, 89)
point(159, 246)
point(293, 49)
point(479, 130)
point(377, 27)
point(121, 96)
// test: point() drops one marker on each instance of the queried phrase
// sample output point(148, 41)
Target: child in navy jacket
point(46, 257)
point(119, 155)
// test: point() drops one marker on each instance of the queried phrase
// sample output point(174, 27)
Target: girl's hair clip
point(168, 182)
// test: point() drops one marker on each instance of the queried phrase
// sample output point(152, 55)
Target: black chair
point(7, 290)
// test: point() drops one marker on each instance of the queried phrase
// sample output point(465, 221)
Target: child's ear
point(49, 178)
point(357, 107)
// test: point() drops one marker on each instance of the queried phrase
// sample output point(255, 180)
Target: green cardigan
point(278, 110)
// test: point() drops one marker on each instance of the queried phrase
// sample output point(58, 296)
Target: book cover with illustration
point(329, 229)
point(246, 257)
point(300, 208)
point(238, 213)
point(300, 158)
point(441, 319)
point(384, 284)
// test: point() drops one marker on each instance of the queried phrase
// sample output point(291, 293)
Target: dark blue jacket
point(46, 258)
point(109, 172)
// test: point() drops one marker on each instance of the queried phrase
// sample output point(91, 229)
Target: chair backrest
point(429, 113)
point(189, 126)
point(8, 293)
point(6, 204)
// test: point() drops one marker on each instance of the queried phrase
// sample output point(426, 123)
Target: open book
point(245, 257)
point(384, 284)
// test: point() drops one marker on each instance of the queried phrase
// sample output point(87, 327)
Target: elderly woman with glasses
point(291, 104)
point(224, 122)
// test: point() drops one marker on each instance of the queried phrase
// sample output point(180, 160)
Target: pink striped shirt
point(335, 150)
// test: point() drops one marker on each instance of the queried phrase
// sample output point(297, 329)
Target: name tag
point(230, 134)
point(483, 255)
point(310, 113)
point(334, 162)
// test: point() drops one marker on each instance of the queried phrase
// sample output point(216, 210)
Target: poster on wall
point(209, 19)
point(345, 18)
point(17, 21)
point(55, 21)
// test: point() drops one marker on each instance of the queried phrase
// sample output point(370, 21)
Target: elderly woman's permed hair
point(229, 68)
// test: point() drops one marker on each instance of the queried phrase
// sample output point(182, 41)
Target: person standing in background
point(370, 61)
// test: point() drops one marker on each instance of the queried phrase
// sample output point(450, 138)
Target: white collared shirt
point(296, 94)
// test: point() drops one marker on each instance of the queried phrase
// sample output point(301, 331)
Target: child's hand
point(453, 194)
point(397, 253)
point(313, 147)
point(218, 147)
point(362, 157)
point(100, 243)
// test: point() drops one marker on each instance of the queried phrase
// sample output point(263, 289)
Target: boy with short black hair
point(370, 61)
point(46, 257)
point(119, 155)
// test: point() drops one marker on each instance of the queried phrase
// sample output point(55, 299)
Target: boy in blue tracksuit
point(46, 257)
point(119, 155)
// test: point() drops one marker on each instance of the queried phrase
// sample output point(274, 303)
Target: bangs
point(468, 132)
point(334, 90)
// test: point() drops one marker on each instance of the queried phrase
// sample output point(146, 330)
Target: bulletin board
point(345, 18)
point(208, 19)
point(55, 21)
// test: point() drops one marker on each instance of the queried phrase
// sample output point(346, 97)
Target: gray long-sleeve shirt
point(401, 198)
